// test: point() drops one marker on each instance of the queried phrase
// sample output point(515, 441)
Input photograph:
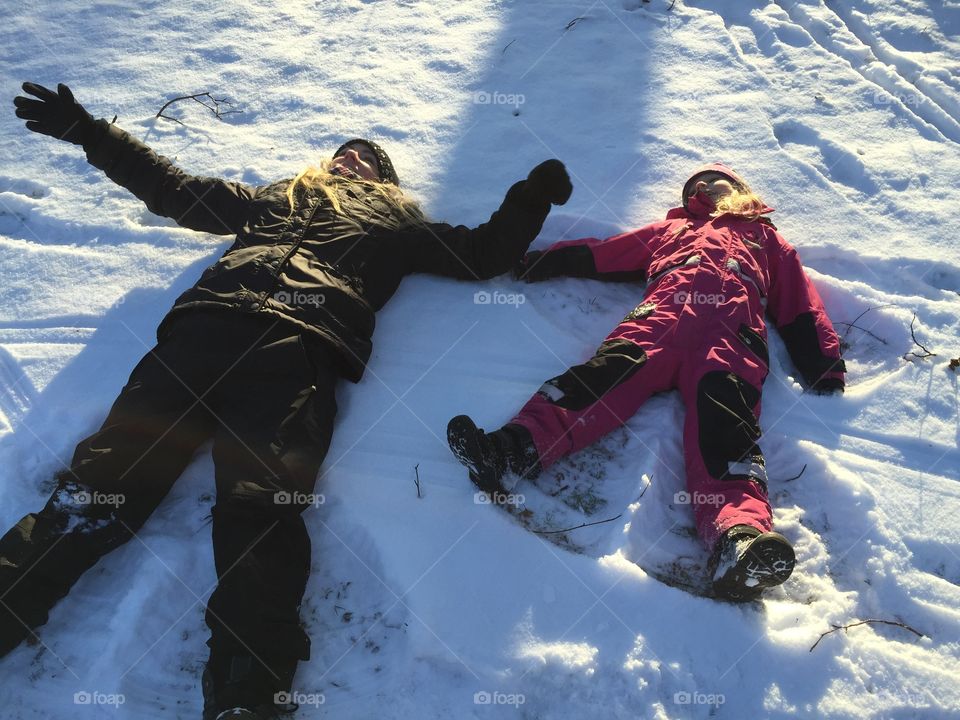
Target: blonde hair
point(404, 210)
point(742, 202)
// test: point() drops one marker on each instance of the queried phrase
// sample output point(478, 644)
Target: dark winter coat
point(312, 266)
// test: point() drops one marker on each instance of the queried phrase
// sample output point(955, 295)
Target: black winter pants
point(265, 395)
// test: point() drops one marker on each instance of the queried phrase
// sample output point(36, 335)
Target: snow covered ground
point(845, 116)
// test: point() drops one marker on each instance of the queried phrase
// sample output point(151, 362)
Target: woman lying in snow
point(249, 357)
point(713, 268)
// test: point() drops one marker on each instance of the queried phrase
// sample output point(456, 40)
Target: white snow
point(845, 116)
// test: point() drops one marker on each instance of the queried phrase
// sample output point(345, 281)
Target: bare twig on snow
point(582, 525)
point(215, 108)
point(864, 622)
point(926, 353)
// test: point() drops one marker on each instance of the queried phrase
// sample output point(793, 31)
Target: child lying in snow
point(713, 267)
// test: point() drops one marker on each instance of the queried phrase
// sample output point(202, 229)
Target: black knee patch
point(582, 385)
point(728, 429)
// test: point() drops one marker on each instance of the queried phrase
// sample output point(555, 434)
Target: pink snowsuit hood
point(699, 208)
point(714, 167)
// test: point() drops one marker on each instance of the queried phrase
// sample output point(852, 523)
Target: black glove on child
point(548, 184)
point(533, 267)
point(56, 113)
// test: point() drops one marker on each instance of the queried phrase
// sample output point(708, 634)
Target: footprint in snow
point(828, 159)
point(352, 613)
point(24, 187)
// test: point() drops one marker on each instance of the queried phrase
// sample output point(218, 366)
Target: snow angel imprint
point(714, 268)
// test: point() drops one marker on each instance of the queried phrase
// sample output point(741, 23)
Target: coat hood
point(715, 167)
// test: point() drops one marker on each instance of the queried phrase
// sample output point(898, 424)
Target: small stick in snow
point(802, 470)
point(215, 109)
point(851, 325)
point(583, 525)
point(864, 622)
point(854, 323)
point(916, 342)
point(645, 488)
point(572, 23)
point(507, 45)
point(416, 469)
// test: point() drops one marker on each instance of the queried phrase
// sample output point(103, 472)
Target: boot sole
point(768, 562)
point(463, 439)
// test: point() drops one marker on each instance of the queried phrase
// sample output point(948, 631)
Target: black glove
point(537, 265)
point(827, 386)
point(548, 183)
point(521, 271)
point(56, 113)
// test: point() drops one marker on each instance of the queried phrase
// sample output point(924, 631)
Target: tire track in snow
point(17, 393)
point(904, 66)
point(877, 67)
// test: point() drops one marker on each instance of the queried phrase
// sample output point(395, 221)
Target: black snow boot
point(745, 561)
point(491, 456)
point(237, 685)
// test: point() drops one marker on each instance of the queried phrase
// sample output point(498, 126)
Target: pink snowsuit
point(700, 328)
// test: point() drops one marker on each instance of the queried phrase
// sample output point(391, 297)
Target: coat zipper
point(286, 258)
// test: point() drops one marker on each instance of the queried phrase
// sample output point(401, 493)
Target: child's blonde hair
point(407, 212)
point(742, 202)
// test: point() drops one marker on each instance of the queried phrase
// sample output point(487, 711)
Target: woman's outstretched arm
point(497, 245)
point(206, 204)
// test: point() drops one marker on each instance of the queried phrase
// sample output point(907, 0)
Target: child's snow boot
point(490, 457)
point(745, 561)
